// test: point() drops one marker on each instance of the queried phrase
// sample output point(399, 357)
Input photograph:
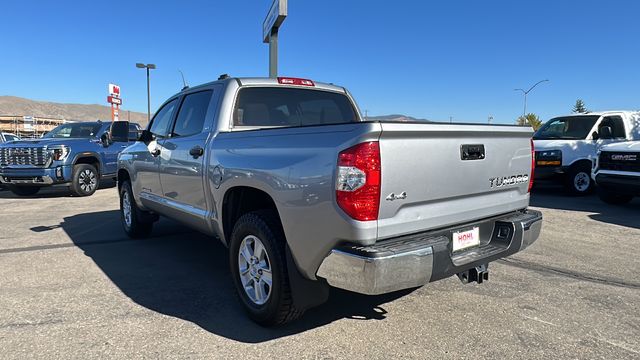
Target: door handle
point(155, 152)
point(196, 151)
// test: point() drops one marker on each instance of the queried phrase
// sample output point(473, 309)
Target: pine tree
point(579, 107)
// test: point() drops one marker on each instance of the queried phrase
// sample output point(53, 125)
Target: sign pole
point(273, 54)
point(270, 26)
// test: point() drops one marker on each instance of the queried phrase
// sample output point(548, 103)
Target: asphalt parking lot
point(72, 285)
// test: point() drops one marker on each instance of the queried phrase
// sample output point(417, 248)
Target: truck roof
point(262, 81)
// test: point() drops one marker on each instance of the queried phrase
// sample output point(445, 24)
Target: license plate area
point(465, 239)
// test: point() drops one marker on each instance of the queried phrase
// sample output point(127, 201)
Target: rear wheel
point(85, 180)
point(613, 198)
point(24, 190)
point(578, 180)
point(258, 267)
point(135, 222)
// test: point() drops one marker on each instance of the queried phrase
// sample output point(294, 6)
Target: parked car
point(617, 172)
point(306, 194)
point(6, 137)
point(565, 146)
point(74, 154)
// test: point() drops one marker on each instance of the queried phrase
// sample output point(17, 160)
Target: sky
point(437, 60)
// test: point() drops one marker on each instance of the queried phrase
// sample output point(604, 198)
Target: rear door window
point(192, 114)
point(278, 107)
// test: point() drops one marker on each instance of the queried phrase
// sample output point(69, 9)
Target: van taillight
point(358, 181)
point(533, 166)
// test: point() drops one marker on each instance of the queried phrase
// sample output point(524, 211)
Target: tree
point(530, 119)
point(579, 107)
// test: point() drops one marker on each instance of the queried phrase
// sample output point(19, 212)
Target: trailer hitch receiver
point(477, 274)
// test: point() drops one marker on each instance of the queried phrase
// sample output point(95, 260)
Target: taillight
point(358, 181)
point(533, 166)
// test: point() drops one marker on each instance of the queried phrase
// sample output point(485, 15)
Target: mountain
point(12, 105)
point(395, 117)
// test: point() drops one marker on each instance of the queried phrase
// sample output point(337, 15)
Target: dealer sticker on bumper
point(466, 239)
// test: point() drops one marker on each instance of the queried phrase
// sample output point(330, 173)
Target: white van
point(565, 146)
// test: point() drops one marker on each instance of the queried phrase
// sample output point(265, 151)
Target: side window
point(134, 133)
point(192, 113)
point(616, 124)
point(162, 120)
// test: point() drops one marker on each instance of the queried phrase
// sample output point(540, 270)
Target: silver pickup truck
point(306, 194)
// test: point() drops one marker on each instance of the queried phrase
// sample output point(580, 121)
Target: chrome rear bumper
point(415, 260)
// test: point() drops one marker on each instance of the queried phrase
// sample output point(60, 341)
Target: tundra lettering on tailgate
point(508, 180)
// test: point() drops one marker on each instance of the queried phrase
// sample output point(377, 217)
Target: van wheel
point(135, 222)
point(24, 190)
point(578, 180)
point(613, 198)
point(85, 180)
point(259, 269)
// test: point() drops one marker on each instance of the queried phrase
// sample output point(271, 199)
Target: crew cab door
point(182, 159)
point(147, 156)
point(110, 151)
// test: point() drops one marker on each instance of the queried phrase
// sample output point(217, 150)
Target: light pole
point(148, 67)
point(524, 112)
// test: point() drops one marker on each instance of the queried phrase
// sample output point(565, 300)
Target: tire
point(85, 180)
point(578, 180)
point(613, 198)
point(275, 306)
point(136, 223)
point(24, 190)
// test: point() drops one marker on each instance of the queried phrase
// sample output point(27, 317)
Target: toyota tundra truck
point(306, 194)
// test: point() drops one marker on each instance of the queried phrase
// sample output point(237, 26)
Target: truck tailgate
point(436, 185)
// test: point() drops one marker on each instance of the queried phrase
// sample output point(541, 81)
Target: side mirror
point(146, 136)
point(606, 132)
point(595, 135)
point(120, 131)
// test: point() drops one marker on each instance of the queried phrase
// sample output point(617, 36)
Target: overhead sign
point(27, 123)
point(114, 100)
point(114, 90)
point(274, 19)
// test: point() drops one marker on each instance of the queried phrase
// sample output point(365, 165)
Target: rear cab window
point(291, 107)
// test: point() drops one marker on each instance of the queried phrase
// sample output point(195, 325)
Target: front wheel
point(24, 190)
point(578, 180)
point(135, 222)
point(85, 180)
point(258, 267)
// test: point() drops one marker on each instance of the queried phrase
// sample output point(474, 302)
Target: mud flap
point(306, 293)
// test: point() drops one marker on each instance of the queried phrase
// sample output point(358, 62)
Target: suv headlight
point(58, 152)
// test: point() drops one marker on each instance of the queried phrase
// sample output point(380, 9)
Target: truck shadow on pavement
point(556, 198)
point(185, 274)
point(53, 191)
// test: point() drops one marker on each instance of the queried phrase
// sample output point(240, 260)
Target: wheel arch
point(88, 157)
point(239, 200)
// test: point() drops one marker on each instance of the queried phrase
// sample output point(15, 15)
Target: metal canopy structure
point(270, 26)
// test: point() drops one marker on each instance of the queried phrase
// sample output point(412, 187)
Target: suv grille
point(31, 156)
point(620, 161)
